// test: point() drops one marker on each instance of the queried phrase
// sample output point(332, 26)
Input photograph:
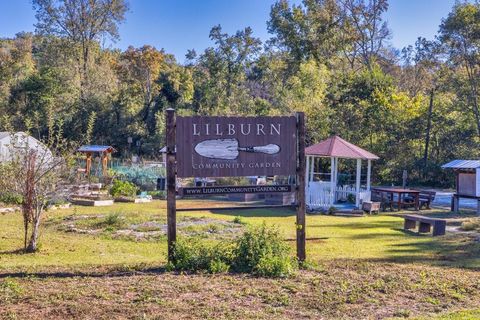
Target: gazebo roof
point(339, 148)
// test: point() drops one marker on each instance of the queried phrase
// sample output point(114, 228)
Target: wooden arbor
point(89, 150)
point(323, 192)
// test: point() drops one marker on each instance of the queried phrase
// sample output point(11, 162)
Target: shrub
point(11, 198)
point(260, 251)
point(238, 220)
point(123, 188)
point(193, 255)
point(259, 244)
point(275, 266)
point(218, 266)
point(470, 225)
point(332, 210)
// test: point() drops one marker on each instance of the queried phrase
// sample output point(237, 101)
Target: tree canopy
point(416, 107)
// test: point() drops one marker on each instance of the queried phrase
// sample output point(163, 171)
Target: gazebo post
point(312, 167)
point(357, 186)
point(332, 181)
point(307, 171)
point(369, 173)
point(336, 172)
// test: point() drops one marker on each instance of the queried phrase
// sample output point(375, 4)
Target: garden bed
point(132, 200)
point(92, 203)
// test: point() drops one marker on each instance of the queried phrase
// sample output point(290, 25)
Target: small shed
point(89, 150)
point(467, 181)
point(323, 188)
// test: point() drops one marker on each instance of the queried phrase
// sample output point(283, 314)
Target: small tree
point(33, 172)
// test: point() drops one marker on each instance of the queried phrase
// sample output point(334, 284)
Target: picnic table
point(401, 193)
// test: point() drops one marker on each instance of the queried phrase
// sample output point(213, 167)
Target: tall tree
point(460, 32)
point(369, 30)
point(311, 30)
point(81, 21)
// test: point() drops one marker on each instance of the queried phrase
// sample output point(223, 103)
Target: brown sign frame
point(295, 167)
point(235, 146)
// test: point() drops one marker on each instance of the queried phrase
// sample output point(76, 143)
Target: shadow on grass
point(260, 213)
point(455, 251)
point(75, 274)
point(355, 224)
point(15, 252)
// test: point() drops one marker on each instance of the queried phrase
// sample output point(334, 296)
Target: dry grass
point(342, 289)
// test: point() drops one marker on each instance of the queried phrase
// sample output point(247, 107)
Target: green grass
point(372, 238)
point(358, 267)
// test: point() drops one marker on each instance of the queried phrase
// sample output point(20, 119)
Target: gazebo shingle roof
point(337, 147)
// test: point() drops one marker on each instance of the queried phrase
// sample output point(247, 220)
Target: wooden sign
point(194, 191)
point(236, 146)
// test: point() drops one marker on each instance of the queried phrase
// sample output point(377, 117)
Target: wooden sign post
point(235, 147)
point(301, 235)
point(171, 184)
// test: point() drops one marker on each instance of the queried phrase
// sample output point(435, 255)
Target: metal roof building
point(462, 164)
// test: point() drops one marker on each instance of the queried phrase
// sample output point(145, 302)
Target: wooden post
point(88, 165)
point(301, 237)
point(357, 185)
point(171, 182)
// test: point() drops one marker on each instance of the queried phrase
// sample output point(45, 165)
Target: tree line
point(416, 108)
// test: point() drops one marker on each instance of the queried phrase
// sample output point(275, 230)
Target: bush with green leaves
point(123, 189)
point(10, 198)
point(260, 246)
point(193, 255)
point(260, 251)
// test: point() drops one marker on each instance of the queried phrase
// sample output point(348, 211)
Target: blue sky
point(178, 25)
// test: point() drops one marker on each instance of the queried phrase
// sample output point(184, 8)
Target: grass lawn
point(89, 266)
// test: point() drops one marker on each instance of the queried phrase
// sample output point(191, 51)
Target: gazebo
point(323, 188)
point(89, 150)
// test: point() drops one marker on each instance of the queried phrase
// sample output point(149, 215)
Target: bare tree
point(33, 173)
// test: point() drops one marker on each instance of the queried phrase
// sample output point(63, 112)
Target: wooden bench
point(425, 224)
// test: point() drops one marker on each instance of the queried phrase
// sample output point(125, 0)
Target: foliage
point(10, 198)
point(193, 255)
point(415, 107)
point(260, 250)
point(123, 188)
point(471, 224)
point(275, 266)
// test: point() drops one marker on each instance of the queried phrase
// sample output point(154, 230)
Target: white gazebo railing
point(324, 194)
point(319, 195)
